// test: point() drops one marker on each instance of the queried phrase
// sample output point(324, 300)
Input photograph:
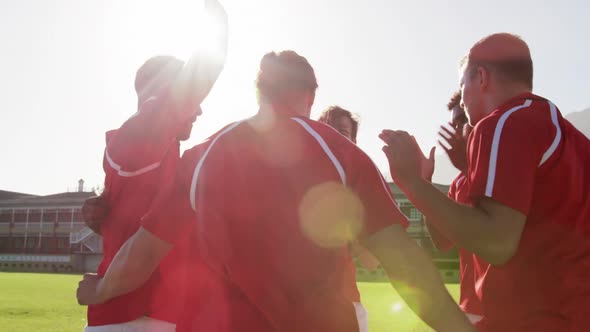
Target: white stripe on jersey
point(117, 167)
point(557, 138)
point(337, 164)
point(325, 147)
point(496, 145)
point(461, 179)
point(202, 160)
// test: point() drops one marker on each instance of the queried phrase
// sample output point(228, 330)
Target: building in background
point(47, 233)
point(447, 262)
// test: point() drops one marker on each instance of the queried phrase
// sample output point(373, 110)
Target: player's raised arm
point(203, 68)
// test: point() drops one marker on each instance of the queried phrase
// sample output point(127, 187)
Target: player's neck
point(264, 119)
point(278, 110)
point(505, 94)
point(267, 115)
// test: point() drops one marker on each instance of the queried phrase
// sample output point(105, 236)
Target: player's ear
point(483, 77)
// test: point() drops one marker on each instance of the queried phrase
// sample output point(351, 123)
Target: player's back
point(572, 171)
point(273, 215)
point(567, 182)
point(136, 167)
point(136, 158)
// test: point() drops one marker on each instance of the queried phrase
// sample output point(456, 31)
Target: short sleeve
point(440, 240)
point(457, 189)
point(452, 190)
point(503, 155)
point(379, 205)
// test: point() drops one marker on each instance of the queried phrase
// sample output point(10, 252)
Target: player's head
point(155, 74)
point(342, 121)
point(458, 117)
point(184, 132)
point(287, 82)
point(158, 73)
point(496, 67)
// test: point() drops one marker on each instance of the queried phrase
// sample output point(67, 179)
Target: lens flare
point(331, 215)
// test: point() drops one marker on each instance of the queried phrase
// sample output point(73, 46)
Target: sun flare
point(182, 28)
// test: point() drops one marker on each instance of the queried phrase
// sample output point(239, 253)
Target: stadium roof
point(4, 195)
point(10, 199)
point(61, 199)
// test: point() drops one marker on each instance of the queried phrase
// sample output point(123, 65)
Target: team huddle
point(255, 229)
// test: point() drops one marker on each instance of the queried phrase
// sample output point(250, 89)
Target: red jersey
point(469, 271)
point(139, 158)
point(265, 209)
point(526, 156)
point(349, 286)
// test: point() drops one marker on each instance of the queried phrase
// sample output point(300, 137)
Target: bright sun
point(181, 28)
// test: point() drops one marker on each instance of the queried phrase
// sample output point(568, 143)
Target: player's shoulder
point(319, 127)
point(325, 133)
point(197, 151)
point(345, 151)
point(109, 135)
point(530, 114)
point(140, 125)
point(150, 110)
point(154, 102)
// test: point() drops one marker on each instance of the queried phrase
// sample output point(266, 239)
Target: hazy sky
point(68, 67)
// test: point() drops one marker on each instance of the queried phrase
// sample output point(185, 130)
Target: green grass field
point(46, 303)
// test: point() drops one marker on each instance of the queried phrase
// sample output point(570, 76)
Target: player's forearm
point(131, 267)
point(423, 290)
point(470, 228)
point(204, 67)
point(366, 259)
point(418, 282)
point(199, 76)
point(440, 241)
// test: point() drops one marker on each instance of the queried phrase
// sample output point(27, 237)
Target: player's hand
point(457, 147)
point(204, 67)
point(216, 9)
point(94, 211)
point(404, 155)
point(427, 163)
point(87, 292)
point(364, 256)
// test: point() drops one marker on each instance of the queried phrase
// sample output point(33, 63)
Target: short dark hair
point(155, 73)
point(454, 101)
point(282, 72)
point(332, 113)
